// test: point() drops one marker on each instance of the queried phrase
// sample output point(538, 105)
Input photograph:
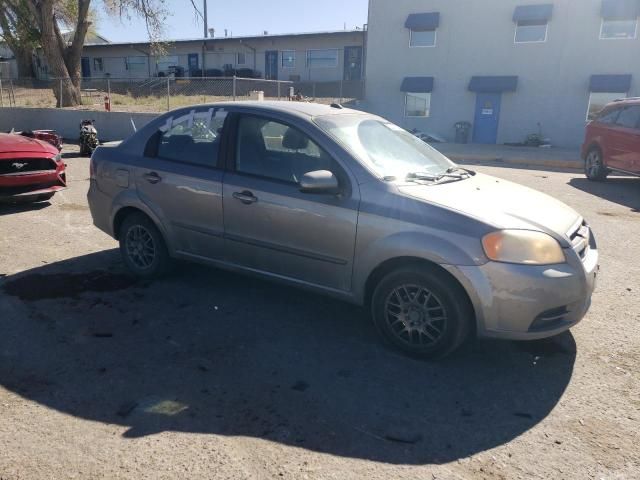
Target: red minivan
point(612, 140)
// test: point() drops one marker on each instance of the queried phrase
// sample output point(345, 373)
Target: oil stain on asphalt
point(65, 285)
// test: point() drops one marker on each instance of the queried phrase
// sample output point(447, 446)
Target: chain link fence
point(159, 94)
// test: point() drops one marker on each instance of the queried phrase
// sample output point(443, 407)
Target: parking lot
point(211, 374)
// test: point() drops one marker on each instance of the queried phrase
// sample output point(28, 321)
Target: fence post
point(61, 103)
point(278, 89)
point(109, 90)
point(234, 88)
point(168, 94)
point(1, 95)
point(313, 89)
point(340, 101)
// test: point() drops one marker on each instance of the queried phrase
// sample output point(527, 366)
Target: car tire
point(594, 167)
point(142, 247)
point(422, 312)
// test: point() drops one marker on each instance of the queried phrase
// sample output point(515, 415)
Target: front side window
point(417, 104)
point(97, 64)
point(288, 59)
point(629, 117)
point(192, 138)
point(598, 100)
point(322, 58)
point(387, 149)
point(422, 38)
point(273, 150)
point(608, 117)
point(618, 29)
point(530, 31)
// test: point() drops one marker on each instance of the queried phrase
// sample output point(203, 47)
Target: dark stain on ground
point(60, 285)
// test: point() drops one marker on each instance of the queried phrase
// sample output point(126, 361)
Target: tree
point(46, 17)
point(19, 35)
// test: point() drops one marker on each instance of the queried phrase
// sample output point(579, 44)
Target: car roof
point(299, 108)
point(625, 101)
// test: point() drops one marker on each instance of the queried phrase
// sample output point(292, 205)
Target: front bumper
point(32, 184)
point(523, 302)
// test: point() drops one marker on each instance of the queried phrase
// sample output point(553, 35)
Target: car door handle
point(152, 177)
point(245, 197)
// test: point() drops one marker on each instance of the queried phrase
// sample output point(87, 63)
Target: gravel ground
point(210, 374)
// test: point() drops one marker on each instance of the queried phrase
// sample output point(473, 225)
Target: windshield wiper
point(449, 174)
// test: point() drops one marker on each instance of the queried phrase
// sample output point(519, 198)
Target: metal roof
point(231, 39)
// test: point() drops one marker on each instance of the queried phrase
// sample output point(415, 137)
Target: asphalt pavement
point(208, 374)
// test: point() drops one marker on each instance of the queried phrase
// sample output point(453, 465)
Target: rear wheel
point(142, 247)
point(594, 167)
point(422, 312)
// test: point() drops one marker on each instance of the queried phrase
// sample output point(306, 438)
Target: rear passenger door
point(270, 225)
point(180, 179)
point(625, 140)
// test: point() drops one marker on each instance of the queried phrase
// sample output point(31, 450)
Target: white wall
point(110, 125)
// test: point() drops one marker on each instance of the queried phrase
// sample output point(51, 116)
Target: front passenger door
point(270, 225)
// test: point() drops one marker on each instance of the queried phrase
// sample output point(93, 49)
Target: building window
point(618, 29)
point(241, 58)
point(531, 31)
point(136, 64)
point(97, 64)
point(322, 58)
point(417, 104)
point(422, 38)
point(288, 59)
point(598, 100)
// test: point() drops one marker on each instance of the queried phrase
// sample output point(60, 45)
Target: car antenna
point(133, 125)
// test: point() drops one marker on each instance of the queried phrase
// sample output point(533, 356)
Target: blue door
point(192, 61)
point(86, 67)
point(485, 128)
point(271, 65)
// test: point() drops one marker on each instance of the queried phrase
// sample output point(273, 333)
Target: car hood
point(499, 203)
point(13, 143)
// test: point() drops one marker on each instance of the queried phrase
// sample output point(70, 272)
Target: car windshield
point(387, 149)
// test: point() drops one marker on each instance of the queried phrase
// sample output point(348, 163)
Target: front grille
point(580, 239)
point(16, 166)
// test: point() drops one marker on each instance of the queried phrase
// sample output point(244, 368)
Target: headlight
point(57, 158)
point(522, 246)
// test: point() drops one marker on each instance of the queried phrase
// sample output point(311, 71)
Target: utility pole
point(204, 13)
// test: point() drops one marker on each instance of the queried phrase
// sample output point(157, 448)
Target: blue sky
point(243, 17)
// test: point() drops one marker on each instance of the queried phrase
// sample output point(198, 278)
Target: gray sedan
point(347, 204)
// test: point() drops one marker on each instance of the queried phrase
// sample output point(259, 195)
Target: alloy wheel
point(415, 315)
point(140, 247)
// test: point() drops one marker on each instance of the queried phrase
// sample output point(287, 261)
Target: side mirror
point(320, 181)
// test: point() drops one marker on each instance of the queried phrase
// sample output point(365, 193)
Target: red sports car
point(30, 170)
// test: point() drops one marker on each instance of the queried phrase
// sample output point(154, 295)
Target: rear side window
point(192, 138)
point(629, 117)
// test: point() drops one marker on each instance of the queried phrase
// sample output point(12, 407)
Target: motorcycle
point(88, 137)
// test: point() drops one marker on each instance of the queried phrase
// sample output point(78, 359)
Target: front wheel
point(594, 167)
point(142, 247)
point(422, 312)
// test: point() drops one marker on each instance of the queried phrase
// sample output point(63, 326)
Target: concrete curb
point(573, 165)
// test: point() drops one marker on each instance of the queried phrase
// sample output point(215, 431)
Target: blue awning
point(610, 83)
point(533, 13)
point(417, 84)
point(493, 84)
point(620, 9)
point(423, 21)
